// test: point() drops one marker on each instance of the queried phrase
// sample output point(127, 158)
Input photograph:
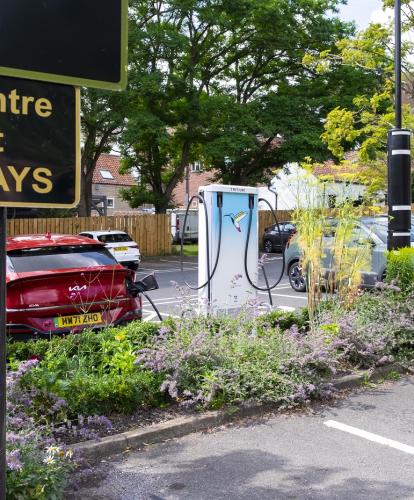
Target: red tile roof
point(112, 163)
point(352, 166)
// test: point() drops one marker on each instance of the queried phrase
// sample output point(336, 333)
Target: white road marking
point(178, 262)
point(282, 287)
point(177, 301)
point(288, 296)
point(370, 437)
point(167, 270)
point(150, 317)
point(148, 311)
point(172, 298)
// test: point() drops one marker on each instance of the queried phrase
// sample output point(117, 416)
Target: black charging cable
point(153, 305)
point(246, 250)
point(209, 275)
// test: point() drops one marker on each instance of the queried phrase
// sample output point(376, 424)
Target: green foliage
point(38, 480)
point(102, 119)
point(223, 82)
point(21, 351)
point(188, 250)
point(285, 320)
point(94, 372)
point(339, 245)
point(400, 268)
point(365, 122)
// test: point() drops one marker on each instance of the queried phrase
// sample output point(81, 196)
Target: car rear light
point(288, 241)
point(177, 223)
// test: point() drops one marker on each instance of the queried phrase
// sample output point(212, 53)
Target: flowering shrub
point(93, 373)
point(62, 392)
point(37, 466)
point(209, 362)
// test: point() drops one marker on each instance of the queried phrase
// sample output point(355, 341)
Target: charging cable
point(246, 251)
point(209, 275)
point(153, 305)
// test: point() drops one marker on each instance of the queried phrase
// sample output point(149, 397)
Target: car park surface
point(61, 283)
point(173, 297)
point(120, 244)
point(357, 448)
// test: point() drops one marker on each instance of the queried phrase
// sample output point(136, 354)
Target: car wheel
point(296, 279)
point(268, 246)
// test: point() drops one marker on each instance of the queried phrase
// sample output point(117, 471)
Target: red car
point(61, 284)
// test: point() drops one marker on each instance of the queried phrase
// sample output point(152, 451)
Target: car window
point(289, 227)
point(380, 230)
point(115, 238)
point(65, 257)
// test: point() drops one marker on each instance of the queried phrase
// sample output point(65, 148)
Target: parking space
point(174, 296)
point(359, 448)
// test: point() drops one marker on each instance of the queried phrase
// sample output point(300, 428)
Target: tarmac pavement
point(173, 295)
point(359, 448)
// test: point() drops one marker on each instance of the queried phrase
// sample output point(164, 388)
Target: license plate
point(78, 320)
point(121, 249)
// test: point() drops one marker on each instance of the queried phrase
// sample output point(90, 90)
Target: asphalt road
point(359, 448)
point(174, 294)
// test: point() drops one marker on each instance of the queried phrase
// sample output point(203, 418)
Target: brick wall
point(197, 179)
point(121, 207)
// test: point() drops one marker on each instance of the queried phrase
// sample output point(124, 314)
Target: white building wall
point(296, 187)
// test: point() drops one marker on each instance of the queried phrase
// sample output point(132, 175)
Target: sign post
point(66, 43)
point(399, 160)
point(3, 465)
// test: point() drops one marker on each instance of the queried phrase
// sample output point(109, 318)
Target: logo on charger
point(236, 219)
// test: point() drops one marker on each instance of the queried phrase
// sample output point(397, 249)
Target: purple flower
point(60, 403)
point(170, 386)
point(13, 460)
point(164, 330)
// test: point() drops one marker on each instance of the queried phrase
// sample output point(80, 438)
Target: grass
point(188, 250)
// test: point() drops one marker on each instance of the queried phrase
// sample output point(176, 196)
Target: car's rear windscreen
point(65, 257)
point(115, 238)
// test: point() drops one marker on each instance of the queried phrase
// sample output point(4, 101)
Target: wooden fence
point(151, 232)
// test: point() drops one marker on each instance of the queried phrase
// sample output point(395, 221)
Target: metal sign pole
point(399, 160)
point(3, 227)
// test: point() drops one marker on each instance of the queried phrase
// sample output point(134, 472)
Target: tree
point(102, 120)
point(365, 124)
point(223, 81)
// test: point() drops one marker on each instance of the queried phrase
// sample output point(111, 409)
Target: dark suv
point(275, 242)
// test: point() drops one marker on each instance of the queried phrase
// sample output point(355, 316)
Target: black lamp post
point(399, 160)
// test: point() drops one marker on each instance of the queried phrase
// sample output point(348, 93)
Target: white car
point(120, 244)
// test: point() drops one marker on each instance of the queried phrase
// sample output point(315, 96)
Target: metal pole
point(397, 63)
point(187, 184)
point(3, 227)
point(399, 160)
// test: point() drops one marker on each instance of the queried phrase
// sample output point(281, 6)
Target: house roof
point(339, 172)
point(107, 172)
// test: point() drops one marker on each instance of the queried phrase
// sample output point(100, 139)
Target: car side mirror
point(147, 284)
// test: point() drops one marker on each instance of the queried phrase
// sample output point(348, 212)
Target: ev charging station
point(224, 260)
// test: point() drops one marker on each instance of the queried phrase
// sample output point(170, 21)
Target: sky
point(363, 12)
